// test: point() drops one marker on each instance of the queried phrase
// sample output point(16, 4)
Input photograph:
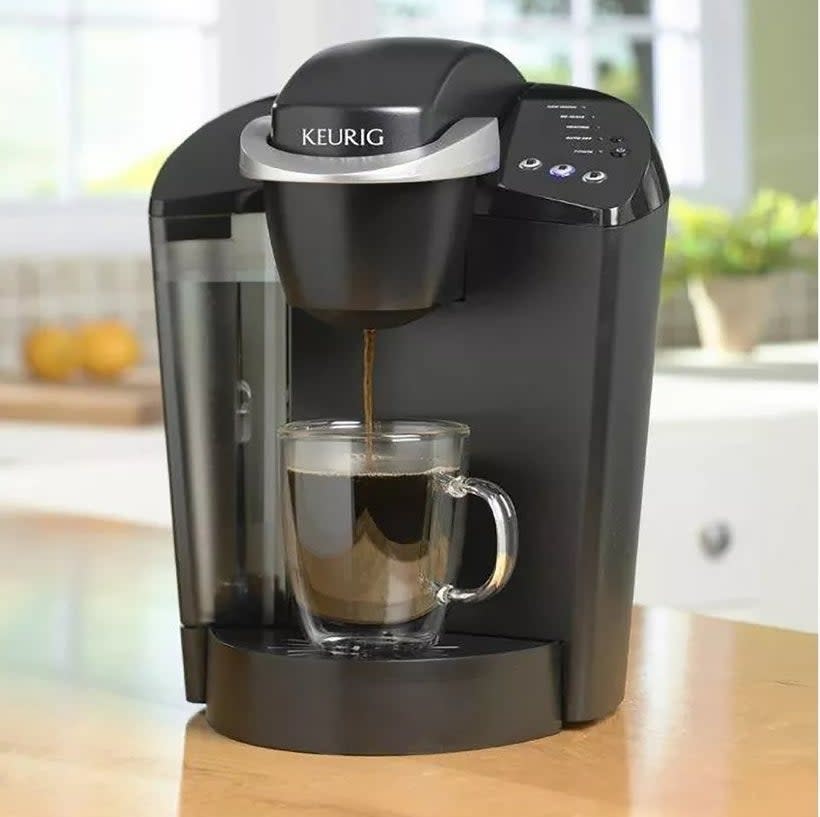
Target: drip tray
point(271, 688)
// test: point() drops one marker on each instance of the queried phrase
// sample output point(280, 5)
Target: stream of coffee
point(368, 356)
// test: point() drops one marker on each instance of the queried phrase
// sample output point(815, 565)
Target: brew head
point(369, 162)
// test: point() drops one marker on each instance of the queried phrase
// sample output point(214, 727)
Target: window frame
point(72, 223)
point(253, 61)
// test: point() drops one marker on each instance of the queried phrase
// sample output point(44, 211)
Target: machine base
point(271, 688)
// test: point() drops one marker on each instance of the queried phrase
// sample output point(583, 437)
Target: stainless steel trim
point(469, 148)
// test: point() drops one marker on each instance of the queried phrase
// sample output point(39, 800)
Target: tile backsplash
point(68, 291)
point(35, 291)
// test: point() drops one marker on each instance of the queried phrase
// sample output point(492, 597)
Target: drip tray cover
point(271, 688)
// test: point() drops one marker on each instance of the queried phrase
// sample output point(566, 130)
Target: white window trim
point(261, 43)
point(724, 107)
point(71, 225)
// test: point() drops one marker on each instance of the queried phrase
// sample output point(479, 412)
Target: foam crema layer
point(361, 466)
point(395, 448)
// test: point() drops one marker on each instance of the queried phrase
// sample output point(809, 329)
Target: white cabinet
point(116, 474)
point(729, 520)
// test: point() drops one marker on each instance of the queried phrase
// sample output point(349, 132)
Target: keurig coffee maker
point(505, 239)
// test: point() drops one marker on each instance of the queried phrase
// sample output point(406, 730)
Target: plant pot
point(731, 312)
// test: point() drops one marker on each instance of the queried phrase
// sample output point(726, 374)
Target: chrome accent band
point(469, 148)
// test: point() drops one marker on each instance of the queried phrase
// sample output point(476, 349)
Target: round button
point(530, 163)
point(619, 152)
point(594, 176)
point(561, 171)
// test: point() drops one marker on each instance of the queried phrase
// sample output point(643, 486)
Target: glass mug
point(373, 530)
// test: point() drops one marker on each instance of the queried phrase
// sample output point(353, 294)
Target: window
point(647, 52)
point(96, 93)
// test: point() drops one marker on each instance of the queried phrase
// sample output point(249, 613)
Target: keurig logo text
point(336, 137)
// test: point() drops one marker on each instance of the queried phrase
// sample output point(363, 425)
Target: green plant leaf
point(773, 233)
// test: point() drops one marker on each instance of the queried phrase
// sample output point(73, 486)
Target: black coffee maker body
point(507, 237)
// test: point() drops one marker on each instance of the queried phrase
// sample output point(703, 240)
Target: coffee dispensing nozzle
point(368, 162)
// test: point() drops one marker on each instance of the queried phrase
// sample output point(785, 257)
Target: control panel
point(576, 147)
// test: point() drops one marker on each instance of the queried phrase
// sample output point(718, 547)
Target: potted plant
point(728, 263)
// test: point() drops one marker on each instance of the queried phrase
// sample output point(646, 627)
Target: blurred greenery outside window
point(96, 93)
point(622, 47)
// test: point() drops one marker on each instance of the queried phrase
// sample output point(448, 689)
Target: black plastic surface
point(272, 689)
point(197, 228)
point(194, 662)
point(386, 95)
point(570, 131)
point(368, 255)
point(201, 177)
point(548, 359)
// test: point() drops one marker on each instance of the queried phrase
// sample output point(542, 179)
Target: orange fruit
point(108, 348)
point(52, 353)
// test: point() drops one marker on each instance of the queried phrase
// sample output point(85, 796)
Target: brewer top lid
point(389, 95)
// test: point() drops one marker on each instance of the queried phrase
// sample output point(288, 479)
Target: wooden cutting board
point(135, 400)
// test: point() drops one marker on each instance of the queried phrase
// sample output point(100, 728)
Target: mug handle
point(506, 535)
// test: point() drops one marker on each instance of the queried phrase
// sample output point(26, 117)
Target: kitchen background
point(95, 93)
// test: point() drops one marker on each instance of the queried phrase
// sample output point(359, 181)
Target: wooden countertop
point(719, 718)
